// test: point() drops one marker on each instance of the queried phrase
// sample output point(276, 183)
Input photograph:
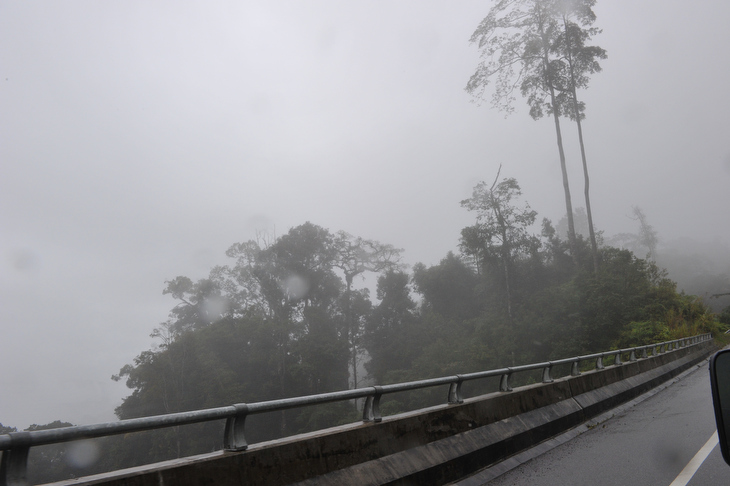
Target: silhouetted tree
point(501, 231)
point(516, 42)
point(576, 62)
point(355, 256)
point(390, 332)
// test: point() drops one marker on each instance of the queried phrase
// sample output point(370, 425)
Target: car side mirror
point(720, 384)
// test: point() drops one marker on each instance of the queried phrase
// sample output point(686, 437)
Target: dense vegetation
point(285, 319)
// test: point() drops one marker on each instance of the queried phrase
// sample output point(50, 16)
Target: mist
point(140, 141)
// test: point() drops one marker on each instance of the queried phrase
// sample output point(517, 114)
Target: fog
point(139, 140)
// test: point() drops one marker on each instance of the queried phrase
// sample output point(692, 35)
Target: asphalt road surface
point(652, 442)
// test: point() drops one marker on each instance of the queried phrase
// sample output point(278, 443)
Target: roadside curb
point(491, 472)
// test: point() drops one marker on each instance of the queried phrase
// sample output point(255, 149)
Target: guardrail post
point(504, 382)
point(575, 368)
point(455, 391)
point(546, 378)
point(16, 445)
point(371, 410)
point(14, 463)
point(234, 438)
point(644, 354)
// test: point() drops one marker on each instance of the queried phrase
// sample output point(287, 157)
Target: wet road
point(651, 442)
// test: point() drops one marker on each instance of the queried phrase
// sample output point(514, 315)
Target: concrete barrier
point(429, 446)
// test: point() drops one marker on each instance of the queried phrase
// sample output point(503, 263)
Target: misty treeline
point(541, 48)
point(53, 462)
point(292, 316)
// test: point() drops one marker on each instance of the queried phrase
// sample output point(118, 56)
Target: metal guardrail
point(16, 445)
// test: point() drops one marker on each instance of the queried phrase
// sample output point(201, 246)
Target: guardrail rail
point(15, 446)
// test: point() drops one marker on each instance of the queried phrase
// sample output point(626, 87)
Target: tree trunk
point(566, 186)
point(351, 330)
point(505, 251)
point(556, 117)
point(505, 264)
point(589, 214)
point(586, 190)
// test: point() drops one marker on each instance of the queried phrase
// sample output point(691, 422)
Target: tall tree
point(500, 233)
point(647, 236)
point(516, 40)
point(390, 332)
point(355, 256)
point(576, 62)
point(297, 278)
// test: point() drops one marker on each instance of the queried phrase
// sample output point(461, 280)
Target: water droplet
point(82, 453)
point(296, 287)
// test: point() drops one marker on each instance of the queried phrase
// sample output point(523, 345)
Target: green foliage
point(678, 316)
point(501, 231)
point(57, 461)
point(284, 321)
point(724, 317)
point(691, 316)
point(500, 237)
point(559, 309)
point(392, 332)
point(279, 322)
point(449, 288)
point(574, 61)
point(625, 289)
point(641, 333)
point(514, 41)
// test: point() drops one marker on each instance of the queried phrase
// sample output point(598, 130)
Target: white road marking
point(691, 468)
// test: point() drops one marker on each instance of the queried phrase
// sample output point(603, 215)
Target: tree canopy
point(284, 319)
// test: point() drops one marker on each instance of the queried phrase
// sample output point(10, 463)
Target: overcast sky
point(140, 139)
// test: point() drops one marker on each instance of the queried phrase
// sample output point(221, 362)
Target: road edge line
point(495, 470)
